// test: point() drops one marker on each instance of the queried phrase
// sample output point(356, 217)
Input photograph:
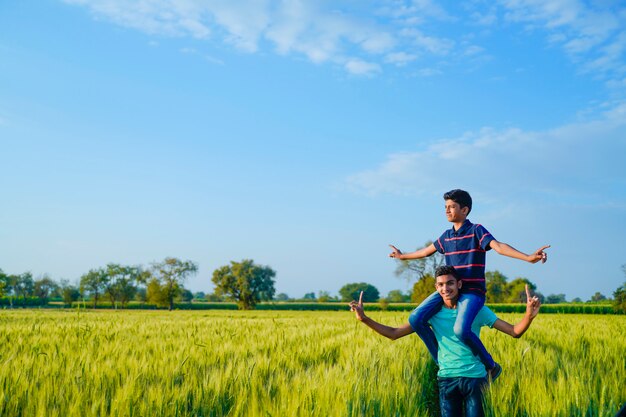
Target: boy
point(461, 376)
point(464, 247)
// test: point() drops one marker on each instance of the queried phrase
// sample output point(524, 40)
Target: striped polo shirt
point(466, 249)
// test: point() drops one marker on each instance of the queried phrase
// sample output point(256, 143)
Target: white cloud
point(393, 32)
point(208, 58)
point(170, 18)
point(431, 44)
point(343, 33)
point(359, 67)
point(428, 72)
point(557, 162)
point(400, 58)
point(474, 50)
point(298, 26)
point(590, 34)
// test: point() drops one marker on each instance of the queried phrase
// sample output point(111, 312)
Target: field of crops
point(288, 363)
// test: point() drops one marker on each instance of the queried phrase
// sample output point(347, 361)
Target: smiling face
point(448, 287)
point(454, 212)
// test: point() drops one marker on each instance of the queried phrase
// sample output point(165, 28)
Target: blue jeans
point(468, 307)
point(419, 322)
point(458, 393)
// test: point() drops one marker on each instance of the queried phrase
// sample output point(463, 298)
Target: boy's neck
point(450, 304)
point(458, 225)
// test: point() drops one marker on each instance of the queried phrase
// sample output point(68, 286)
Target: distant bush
point(20, 302)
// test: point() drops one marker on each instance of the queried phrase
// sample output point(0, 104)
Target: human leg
point(471, 389)
point(419, 321)
point(468, 307)
point(450, 398)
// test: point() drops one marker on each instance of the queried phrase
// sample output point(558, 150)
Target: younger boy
point(465, 247)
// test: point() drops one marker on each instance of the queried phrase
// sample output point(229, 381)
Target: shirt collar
point(464, 227)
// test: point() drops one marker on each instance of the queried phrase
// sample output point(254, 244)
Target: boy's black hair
point(446, 270)
point(459, 196)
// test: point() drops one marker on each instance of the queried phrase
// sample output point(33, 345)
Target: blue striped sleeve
point(483, 237)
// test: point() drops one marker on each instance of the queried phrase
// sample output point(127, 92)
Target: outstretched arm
point(420, 253)
point(517, 330)
point(392, 333)
point(508, 250)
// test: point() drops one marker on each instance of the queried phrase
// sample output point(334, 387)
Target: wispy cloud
point(358, 67)
point(208, 58)
point(557, 162)
point(592, 34)
point(340, 33)
point(383, 32)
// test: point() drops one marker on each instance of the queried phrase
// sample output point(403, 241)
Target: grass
point(288, 363)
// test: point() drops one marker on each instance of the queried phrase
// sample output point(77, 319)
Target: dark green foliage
point(43, 288)
point(12, 301)
point(170, 276)
point(619, 299)
point(94, 283)
point(423, 288)
point(598, 297)
point(245, 283)
point(352, 291)
point(397, 296)
point(555, 299)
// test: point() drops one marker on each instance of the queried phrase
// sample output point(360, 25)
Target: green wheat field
point(295, 363)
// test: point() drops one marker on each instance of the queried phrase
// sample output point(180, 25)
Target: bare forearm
point(389, 332)
point(514, 330)
point(520, 328)
point(418, 254)
point(510, 251)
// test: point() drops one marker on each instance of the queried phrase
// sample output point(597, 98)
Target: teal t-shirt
point(455, 357)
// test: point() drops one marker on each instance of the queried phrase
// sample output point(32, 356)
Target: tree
point(4, 283)
point(619, 298)
point(282, 297)
point(200, 295)
point(94, 283)
point(214, 298)
point(352, 291)
point(185, 295)
point(122, 283)
point(497, 288)
point(245, 282)
point(577, 300)
point(397, 296)
point(597, 297)
point(423, 288)
point(141, 294)
point(516, 290)
point(419, 268)
point(309, 296)
point(155, 294)
point(555, 299)
point(69, 293)
point(23, 285)
point(324, 297)
point(43, 287)
point(171, 275)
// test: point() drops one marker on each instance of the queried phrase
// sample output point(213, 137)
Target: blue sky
point(309, 135)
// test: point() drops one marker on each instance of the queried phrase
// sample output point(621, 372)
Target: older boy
point(461, 376)
point(465, 247)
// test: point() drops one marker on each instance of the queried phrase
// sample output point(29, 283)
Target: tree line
point(162, 284)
